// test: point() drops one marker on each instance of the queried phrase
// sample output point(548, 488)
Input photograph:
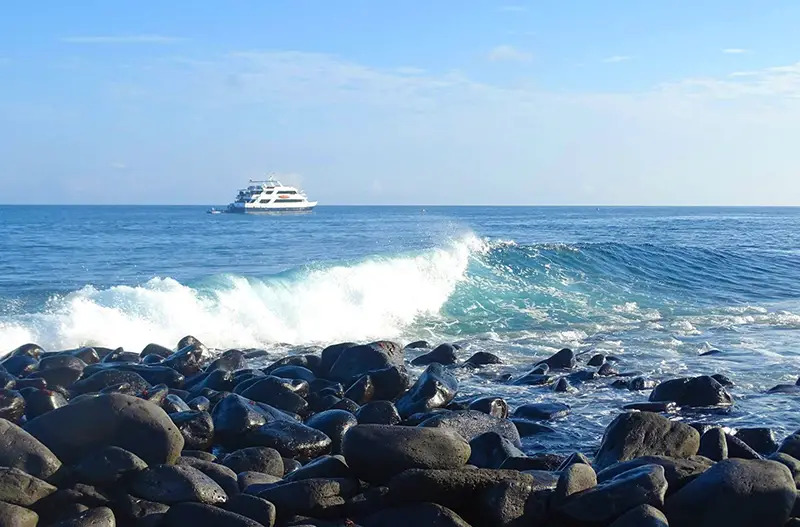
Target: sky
point(620, 102)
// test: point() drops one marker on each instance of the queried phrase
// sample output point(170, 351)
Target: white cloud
point(735, 51)
point(121, 39)
point(617, 58)
point(506, 53)
point(775, 83)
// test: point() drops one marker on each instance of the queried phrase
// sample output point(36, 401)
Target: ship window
point(287, 192)
point(267, 192)
point(265, 200)
point(288, 200)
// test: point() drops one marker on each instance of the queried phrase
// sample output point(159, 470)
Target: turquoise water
point(653, 286)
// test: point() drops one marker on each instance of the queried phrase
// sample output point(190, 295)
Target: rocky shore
point(348, 437)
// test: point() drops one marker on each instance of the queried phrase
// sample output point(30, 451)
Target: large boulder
point(334, 424)
point(200, 514)
point(428, 514)
point(75, 430)
point(355, 361)
point(609, 500)
point(677, 471)
point(642, 516)
point(563, 359)
point(19, 449)
point(443, 354)
point(19, 488)
point(472, 423)
point(310, 497)
point(256, 459)
point(375, 453)
point(700, 391)
point(735, 493)
point(291, 439)
point(107, 466)
point(637, 434)
point(435, 388)
point(16, 516)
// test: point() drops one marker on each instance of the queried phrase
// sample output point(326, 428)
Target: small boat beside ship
point(270, 195)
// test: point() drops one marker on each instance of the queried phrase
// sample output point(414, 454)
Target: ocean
point(654, 287)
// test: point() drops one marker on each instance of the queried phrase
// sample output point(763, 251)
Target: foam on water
point(374, 298)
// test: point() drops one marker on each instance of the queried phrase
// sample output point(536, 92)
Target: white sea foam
point(375, 298)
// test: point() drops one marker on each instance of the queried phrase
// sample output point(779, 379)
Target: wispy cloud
point(117, 165)
point(735, 51)
point(121, 39)
point(513, 8)
point(506, 53)
point(775, 83)
point(617, 58)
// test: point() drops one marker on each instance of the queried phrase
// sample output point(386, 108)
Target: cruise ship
point(270, 195)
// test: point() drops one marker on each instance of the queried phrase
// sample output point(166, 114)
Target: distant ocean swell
point(464, 288)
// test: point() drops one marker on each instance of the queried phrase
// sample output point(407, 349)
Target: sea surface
point(654, 287)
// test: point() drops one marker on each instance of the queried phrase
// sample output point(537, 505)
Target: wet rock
point(172, 484)
point(308, 361)
point(542, 411)
point(173, 404)
point(256, 459)
point(435, 388)
point(231, 360)
point(375, 453)
point(252, 507)
point(735, 493)
point(444, 354)
point(609, 500)
point(97, 517)
point(494, 406)
point(534, 378)
point(330, 355)
point(12, 405)
point(563, 359)
point(20, 450)
point(389, 383)
point(713, 444)
point(20, 488)
point(362, 391)
point(540, 461)
point(322, 467)
point(62, 360)
point(107, 466)
point(199, 454)
point(291, 439)
point(234, 416)
point(428, 514)
point(275, 392)
point(355, 361)
point(606, 370)
point(582, 376)
point(199, 514)
point(597, 360)
point(482, 358)
point(490, 450)
point(637, 434)
point(294, 372)
point(27, 350)
point(348, 405)
point(222, 475)
point(317, 498)
point(187, 360)
point(527, 428)
point(703, 391)
point(334, 424)
point(575, 478)
point(791, 446)
point(642, 516)
point(105, 378)
point(378, 413)
point(16, 516)
point(155, 349)
point(197, 429)
point(510, 504)
point(290, 465)
point(418, 344)
point(471, 423)
point(73, 431)
point(201, 404)
point(678, 472)
point(218, 380)
point(58, 377)
point(739, 449)
point(18, 365)
point(791, 463)
point(785, 388)
point(562, 385)
point(762, 440)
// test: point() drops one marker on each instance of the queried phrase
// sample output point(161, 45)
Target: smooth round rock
point(222, 475)
point(637, 434)
point(20, 450)
point(16, 516)
point(444, 354)
point(255, 459)
point(107, 466)
point(428, 514)
point(20, 488)
point(577, 477)
point(97, 517)
point(482, 358)
point(196, 427)
point(702, 391)
point(334, 424)
point(310, 497)
point(435, 388)
point(735, 493)
point(563, 359)
point(713, 444)
point(41, 401)
point(471, 423)
point(252, 507)
point(356, 361)
point(494, 406)
point(378, 413)
point(176, 484)
point(75, 430)
point(291, 439)
point(542, 411)
point(642, 516)
point(375, 453)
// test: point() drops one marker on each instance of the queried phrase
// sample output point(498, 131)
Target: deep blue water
point(653, 286)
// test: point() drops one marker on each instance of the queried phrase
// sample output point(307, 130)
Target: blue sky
point(451, 102)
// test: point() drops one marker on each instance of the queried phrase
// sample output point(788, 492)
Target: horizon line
point(404, 205)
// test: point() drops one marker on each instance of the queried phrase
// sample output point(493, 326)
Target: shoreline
point(172, 436)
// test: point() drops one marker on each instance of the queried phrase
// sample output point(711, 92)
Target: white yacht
point(270, 195)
